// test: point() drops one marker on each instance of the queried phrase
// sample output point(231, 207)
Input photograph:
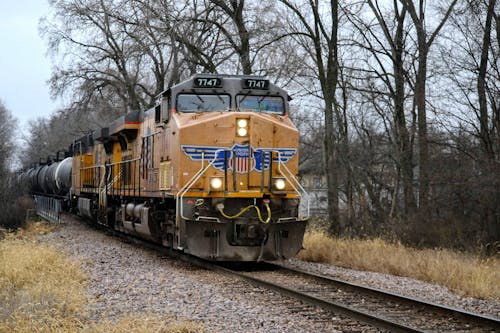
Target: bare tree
point(317, 34)
point(469, 56)
point(425, 41)
point(388, 64)
point(470, 65)
point(201, 33)
point(240, 41)
point(7, 130)
point(11, 216)
point(488, 128)
point(112, 48)
point(233, 36)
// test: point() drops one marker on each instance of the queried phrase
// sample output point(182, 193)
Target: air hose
point(220, 208)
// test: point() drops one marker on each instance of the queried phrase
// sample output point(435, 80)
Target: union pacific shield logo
point(240, 158)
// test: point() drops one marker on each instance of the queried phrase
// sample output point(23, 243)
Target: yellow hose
point(229, 217)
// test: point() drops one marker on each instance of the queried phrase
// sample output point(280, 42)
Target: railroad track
point(377, 308)
point(371, 306)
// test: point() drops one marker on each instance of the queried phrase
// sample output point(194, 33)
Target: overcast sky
point(24, 68)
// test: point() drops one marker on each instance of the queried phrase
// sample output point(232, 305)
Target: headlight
point(242, 123)
point(215, 183)
point(242, 132)
point(279, 184)
point(242, 127)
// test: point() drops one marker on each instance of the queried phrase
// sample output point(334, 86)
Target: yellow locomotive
point(211, 170)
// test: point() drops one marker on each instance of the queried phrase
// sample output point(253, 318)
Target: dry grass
point(35, 228)
point(465, 274)
point(43, 291)
point(40, 290)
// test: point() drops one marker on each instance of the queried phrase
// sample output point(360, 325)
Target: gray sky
point(24, 68)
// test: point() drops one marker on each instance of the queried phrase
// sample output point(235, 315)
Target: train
point(210, 170)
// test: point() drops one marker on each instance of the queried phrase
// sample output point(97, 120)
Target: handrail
point(118, 170)
point(90, 167)
point(123, 162)
point(299, 188)
point(84, 177)
point(193, 180)
point(108, 183)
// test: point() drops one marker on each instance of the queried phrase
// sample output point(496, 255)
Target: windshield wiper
point(245, 96)
point(218, 96)
point(199, 97)
point(263, 97)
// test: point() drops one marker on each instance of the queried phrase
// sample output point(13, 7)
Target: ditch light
point(215, 183)
point(279, 184)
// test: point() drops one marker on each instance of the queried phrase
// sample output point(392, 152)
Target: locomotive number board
point(255, 84)
point(207, 82)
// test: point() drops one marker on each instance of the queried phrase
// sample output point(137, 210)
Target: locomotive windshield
point(203, 103)
point(265, 104)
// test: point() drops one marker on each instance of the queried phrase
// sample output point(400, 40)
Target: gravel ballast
point(403, 286)
point(127, 279)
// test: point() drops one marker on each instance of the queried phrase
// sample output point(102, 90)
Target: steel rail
point(476, 318)
point(361, 316)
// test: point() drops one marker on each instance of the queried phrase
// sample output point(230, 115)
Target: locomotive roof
point(228, 82)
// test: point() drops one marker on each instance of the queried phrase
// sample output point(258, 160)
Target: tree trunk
point(423, 146)
point(332, 168)
point(405, 153)
point(244, 51)
point(424, 43)
point(486, 140)
point(329, 87)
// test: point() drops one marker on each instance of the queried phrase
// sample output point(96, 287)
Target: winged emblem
point(240, 158)
point(263, 156)
point(197, 153)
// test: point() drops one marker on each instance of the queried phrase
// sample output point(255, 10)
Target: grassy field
point(43, 291)
point(465, 274)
